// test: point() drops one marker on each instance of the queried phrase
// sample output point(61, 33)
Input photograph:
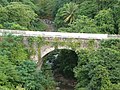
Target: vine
point(31, 42)
point(36, 43)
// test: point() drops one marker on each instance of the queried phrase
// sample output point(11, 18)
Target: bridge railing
point(58, 34)
point(114, 36)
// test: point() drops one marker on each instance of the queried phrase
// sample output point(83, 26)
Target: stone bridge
point(56, 40)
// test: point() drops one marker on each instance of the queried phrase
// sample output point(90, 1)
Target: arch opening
point(62, 62)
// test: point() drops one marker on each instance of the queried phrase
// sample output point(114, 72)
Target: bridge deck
point(58, 34)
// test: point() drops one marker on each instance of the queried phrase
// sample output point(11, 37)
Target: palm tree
point(66, 14)
point(69, 12)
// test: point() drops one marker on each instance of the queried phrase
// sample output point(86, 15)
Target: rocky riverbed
point(64, 83)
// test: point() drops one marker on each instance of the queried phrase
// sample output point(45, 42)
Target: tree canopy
point(94, 69)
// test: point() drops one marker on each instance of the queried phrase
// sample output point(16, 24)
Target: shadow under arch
point(62, 62)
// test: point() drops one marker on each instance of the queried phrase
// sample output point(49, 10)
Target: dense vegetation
point(17, 71)
point(99, 69)
point(17, 15)
point(94, 69)
point(93, 16)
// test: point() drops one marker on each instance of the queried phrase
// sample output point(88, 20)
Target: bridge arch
point(61, 61)
point(47, 49)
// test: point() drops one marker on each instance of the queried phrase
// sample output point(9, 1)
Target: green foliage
point(3, 2)
point(17, 15)
point(17, 12)
point(32, 79)
point(67, 14)
point(99, 70)
point(96, 70)
point(3, 15)
point(31, 3)
point(46, 8)
point(83, 25)
point(27, 2)
point(59, 4)
point(105, 12)
point(105, 57)
point(20, 88)
point(8, 75)
point(13, 26)
point(13, 47)
point(116, 15)
point(115, 87)
point(16, 71)
point(105, 21)
point(88, 8)
point(20, 13)
point(81, 71)
point(112, 43)
point(99, 79)
point(65, 62)
point(38, 25)
point(1, 26)
point(105, 4)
